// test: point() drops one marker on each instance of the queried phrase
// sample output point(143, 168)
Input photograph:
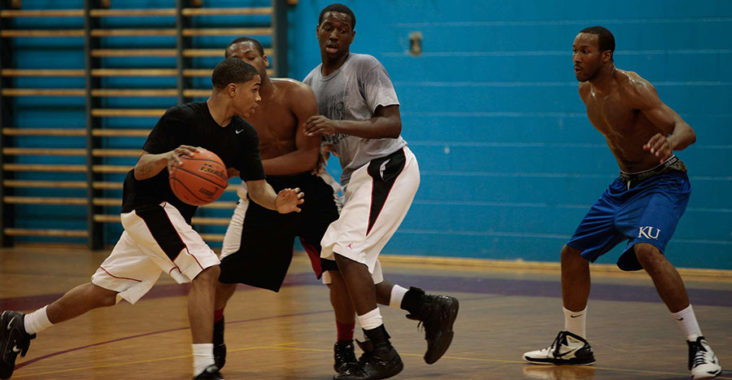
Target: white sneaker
point(703, 363)
point(567, 348)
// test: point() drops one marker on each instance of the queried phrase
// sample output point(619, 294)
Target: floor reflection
point(559, 372)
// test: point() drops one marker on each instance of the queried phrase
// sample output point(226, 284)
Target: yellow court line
point(288, 346)
point(480, 265)
point(119, 364)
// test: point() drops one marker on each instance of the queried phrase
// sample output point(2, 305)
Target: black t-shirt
point(192, 124)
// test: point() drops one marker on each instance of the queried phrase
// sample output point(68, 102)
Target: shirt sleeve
point(377, 88)
point(162, 138)
point(250, 164)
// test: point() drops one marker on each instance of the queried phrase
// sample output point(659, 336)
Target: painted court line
point(499, 286)
point(475, 285)
point(292, 348)
point(31, 361)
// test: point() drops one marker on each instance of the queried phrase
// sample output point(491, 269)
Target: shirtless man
point(258, 244)
point(643, 205)
point(288, 156)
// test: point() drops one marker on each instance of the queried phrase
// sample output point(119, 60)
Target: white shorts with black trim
point(156, 239)
point(377, 199)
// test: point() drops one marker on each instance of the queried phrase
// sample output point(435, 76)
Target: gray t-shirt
point(353, 92)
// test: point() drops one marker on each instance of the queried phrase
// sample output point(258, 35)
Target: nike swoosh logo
point(16, 349)
point(572, 351)
point(238, 131)
point(680, 319)
point(575, 316)
point(10, 323)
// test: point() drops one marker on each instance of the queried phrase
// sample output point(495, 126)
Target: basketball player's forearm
point(682, 136)
point(262, 194)
point(149, 165)
point(374, 128)
point(295, 162)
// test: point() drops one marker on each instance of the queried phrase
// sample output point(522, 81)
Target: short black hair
point(232, 70)
point(256, 43)
point(338, 8)
point(605, 39)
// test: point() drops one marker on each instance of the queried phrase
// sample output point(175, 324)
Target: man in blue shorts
point(643, 205)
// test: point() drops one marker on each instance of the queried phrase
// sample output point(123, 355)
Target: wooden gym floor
point(506, 309)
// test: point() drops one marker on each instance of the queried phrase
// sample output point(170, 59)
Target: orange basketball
point(200, 179)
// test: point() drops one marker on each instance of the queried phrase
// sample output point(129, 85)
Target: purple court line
point(553, 289)
point(475, 285)
point(31, 361)
point(504, 287)
point(28, 362)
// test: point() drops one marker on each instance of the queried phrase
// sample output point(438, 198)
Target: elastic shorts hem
point(628, 261)
point(131, 294)
point(192, 271)
point(355, 255)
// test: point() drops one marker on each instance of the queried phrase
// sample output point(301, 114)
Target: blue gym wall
point(509, 162)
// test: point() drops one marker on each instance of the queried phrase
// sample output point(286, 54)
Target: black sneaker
point(437, 314)
point(219, 348)
point(703, 363)
point(210, 373)
point(13, 341)
point(343, 355)
point(379, 361)
point(567, 348)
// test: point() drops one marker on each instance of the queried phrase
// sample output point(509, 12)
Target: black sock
point(412, 300)
point(218, 332)
point(377, 335)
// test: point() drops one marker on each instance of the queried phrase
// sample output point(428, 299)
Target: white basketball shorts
point(376, 201)
point(156, 238)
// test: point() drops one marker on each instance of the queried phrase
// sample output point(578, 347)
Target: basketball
point(200, 179)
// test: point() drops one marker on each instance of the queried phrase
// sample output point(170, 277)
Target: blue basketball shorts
point(646, 212)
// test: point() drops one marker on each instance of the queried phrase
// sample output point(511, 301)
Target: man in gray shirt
point(360, 121)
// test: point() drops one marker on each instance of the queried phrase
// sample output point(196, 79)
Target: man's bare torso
point(626, 129)
point(275, 121)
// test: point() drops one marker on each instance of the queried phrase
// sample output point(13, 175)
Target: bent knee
point(103, 297)
point(210, 274)
point(648, 254)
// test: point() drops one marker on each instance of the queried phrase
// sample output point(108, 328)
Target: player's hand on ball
point(659, 146)
point(174, 156)
point(288, 200)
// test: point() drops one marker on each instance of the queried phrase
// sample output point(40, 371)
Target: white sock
point(397, 295)
point(202, 357)
point(370, 320)
point(687, 321)
point(37, 321)
point(574, 321)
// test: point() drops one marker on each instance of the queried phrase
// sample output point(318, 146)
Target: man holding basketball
point(643, 205)
point(158, 235)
